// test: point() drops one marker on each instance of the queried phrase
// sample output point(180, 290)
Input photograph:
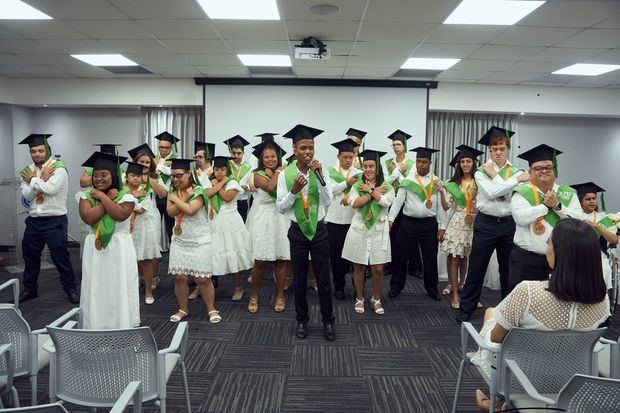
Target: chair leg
point(492, 401)
point(458, 386)
point(185, 387)
point(14, 397)
point(162, 405)
point(33, 390)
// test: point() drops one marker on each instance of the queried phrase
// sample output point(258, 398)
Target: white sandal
point(178, 316)
point(376, 306)
point(215, 318)
point(359, 305)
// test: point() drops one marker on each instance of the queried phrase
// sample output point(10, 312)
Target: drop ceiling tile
point(369, 72)
point(136, 45)
point(394, 32)
point(349, 10)
point(504, 52)
point(536, 83)
point(611, 23)
point(160, 9)
point(38, 70)
point(325, 31)
point(335, 61)
point(42, 29)
point(16, 60)
point(463, 74)
point(236, 70)
point(533, 36)
point(77, 9)
point(7, 34)
point(464, 33)
point(594, 38)
point(498, 82)
point(319, 71)
point(24, 46)
point(421, 11)
point(111, 29)
point(179, 29)
point(174, 70)
point(211, 59)
point(51, 59)
point(611, 57)
point(250, 29)
point(512, 76)
point(483, 65)
point(571, 13)
point(370, 61)
point(336, 48)
point(86, 46)
point(384, 49)
point(445, 50)
point(84, 70)
point(565, 54)
point(157, 59)
point(6, 71)
point(561, 79)
point(534, 67)
point(196, 46)
point(258, 47)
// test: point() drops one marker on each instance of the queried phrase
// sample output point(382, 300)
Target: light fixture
point(522, 113)
point(241, 9)
point(18, 10)
point(425, 63)
point(44, 105)
point(586, 69)
point(274, 60)
point(492, 12)
point(104, 59)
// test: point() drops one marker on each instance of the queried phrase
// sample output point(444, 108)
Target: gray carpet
point(403, 361)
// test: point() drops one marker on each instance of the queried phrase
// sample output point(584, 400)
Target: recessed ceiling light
point(265, 60)
point(241, 9)
point(424, 63)
point(492, 12)
point(584, 69)
point(18, 10)
point(522, 113)
point(44, 106)
point(324, 9)
point(104, 59)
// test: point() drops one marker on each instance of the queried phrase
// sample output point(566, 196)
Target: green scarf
point(57, 164)
point(388, 165)
point(373, 207)
point(307, 224)
point(502, 171)
point(457, 193)
point(200, 191)
point(337, 177)
point(273, 194)
point(238, 172)
point(417, 189)
point(108, 224)
point(565, 194)
point(165, 178)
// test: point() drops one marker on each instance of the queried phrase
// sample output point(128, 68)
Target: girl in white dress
point(110, 297)
point(268, 228)
point(190, 247)
point(232, 250)
point(368, 238)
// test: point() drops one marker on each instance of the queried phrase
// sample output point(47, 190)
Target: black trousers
point(414, 261)
point(416, 234)
point(242, 208)
point(527, 265)
point(490, 233)
point(337, 235)
point(168, 220)
point(53, 232)
point(318, 248)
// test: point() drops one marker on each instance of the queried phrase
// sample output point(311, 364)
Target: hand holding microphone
point(318, 171)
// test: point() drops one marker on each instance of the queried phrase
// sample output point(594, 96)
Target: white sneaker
point(149, 300)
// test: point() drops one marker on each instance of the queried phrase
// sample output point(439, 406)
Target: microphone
point(319, 176)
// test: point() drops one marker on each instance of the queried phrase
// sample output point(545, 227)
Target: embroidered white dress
point(369, 246)
point(146, 229)
point(232, 247)
point(459, 235)
point(110, 296)
point(268, 230)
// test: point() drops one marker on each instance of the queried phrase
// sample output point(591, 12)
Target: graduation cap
point(590, 188)
point(107, 147)
point(291, 159)
point(236, 141)
point(371, 155)
point(219, 161)
point(101, 160)
point(258, 149)
point(209, 148)
point(180, 163)
point(422, 152)
point(301, 132)
point(455, 159)
point(466, 151)
point(140, 150)
point(357, 133)
point(266, 136)
point(345, 145)
point(36, 139)
point(542, 153)
point(135, 168)
point(495, 132)
point(168, 137)
point(399, 135)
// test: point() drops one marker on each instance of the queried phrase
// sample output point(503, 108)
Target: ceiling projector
point(311, 48)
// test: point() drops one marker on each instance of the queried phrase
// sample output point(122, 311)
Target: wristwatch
point(558, 207)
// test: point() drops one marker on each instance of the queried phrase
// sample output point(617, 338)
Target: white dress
point(459, 235)
point(369, 246)
point(146, 229)
point(232, 247)
point(110, 296)
point(531, 306)
point(268, 230)
point(191, 251)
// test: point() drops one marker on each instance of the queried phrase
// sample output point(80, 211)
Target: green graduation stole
point(388, 165)
point(565, 194)
point(238, 172)
point(200, 191)
point(505, 172)
point(307, 219)
point(337, 177)
point(606, 223)
point(273, 194)
point(165, 178)
point(57, 164)
point(104, 228)
point(417, 189)
point(457, 193)
point(370, 212)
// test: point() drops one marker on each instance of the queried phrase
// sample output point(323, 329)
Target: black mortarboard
point(300, 132)
point(107, 147)
point(135, 168)
point(495, 132)
point(371, 155)
point(258, 149)
point(102, 160)
point(236, 140)
point(422, 152)
point(345, 145)
point(455, 159)
point(266, 136)
point(35, 139)
point(168, 137)
point(466, 151)
point(587, 188)
point(209, 148)
point(400, 136)
point(540, 153)
point(138, 151)
point(291, 159)
point(356, 132)
point(219, 161)
point(180, 163)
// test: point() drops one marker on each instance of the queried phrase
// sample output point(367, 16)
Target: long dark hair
point(379, 171)
point(152, 168)
point(577, 275)
point(261, 166)
point(458, 171)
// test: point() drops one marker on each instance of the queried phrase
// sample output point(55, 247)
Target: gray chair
point(7, 366)
point(93, 367)
point(587, 394)
point(14, 329)
point(548, 358)
point(608, 358)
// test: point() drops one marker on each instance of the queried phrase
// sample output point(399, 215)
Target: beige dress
point(459, 235)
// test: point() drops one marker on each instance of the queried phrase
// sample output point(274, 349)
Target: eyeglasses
point(163, 148)
point(547, 168)
point(177, 177)
point(199, 157)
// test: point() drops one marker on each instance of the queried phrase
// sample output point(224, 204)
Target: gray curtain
point(183, 122)
point(447, 130)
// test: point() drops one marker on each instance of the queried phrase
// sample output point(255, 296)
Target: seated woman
point(574, 297)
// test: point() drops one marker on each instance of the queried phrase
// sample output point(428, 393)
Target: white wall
point(6, 141)
point(591, 150)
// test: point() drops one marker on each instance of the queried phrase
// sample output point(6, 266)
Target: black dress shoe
point(74, 297)
point(301, 330)
point(27, 295)
point(417, 274)
point(328, 331)
point(339, 295)
point(393, 293)
point(462, 317)
point(434, 295)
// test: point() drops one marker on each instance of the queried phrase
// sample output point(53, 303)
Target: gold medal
point(368, 216)
point(429, 204)
point(500, 198)
point(539, 229)
point(469, 219)
point(177, 230)
point(40, 198)
point(98, 245)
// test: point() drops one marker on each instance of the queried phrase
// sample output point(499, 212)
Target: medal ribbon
point(537, 202)
point(97, 232)
point(427, 192)
point(467, 191)
point(507, 172)
point(180, 216)
point(304, 201)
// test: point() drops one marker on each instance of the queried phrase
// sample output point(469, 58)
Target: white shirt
point(54, 191)
point(338, 213)
point(203, 176)
point(491, 189)
point(396, 174)
point(285, 199)
point(244, 181)
point(165, 170)
point(525, 216)
point(414, 207)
